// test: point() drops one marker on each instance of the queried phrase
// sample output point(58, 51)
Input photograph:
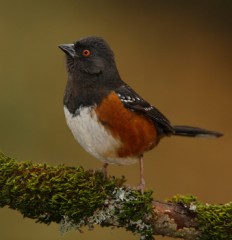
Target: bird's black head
point(92, 72)
point(90, 55)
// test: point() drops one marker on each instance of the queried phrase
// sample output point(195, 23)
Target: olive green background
point(176, 54)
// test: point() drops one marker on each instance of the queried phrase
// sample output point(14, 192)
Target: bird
point(105, 115)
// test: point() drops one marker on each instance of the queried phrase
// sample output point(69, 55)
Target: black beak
point(68, 49)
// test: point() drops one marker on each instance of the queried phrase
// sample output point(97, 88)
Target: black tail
point(187, 131)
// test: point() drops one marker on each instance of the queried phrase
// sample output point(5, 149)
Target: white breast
point(94, 138)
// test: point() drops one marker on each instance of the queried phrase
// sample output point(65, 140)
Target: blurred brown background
point(177, 54)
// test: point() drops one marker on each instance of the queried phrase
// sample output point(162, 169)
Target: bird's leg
point(104, 170)
point(142, 181)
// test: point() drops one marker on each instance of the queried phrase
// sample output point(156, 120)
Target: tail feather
point(194, 132)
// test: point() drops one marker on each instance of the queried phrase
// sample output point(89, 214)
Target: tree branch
point(74, 198)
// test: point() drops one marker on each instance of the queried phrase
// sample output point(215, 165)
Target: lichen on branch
point(74, 198)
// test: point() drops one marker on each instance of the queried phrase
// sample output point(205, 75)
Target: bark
point(75, 198)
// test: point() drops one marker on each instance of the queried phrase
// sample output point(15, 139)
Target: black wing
point(134, 102)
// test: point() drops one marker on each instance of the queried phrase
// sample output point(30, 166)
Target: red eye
point(86, 53)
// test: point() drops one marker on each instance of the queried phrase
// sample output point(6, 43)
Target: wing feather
point(134, 102)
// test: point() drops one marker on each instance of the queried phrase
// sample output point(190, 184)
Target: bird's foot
point(141, 186)
point(104, 171)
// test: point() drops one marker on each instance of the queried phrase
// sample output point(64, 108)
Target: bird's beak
point(68, 49)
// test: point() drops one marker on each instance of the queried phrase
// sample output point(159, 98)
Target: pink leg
point(142, 181)
point(104, 170)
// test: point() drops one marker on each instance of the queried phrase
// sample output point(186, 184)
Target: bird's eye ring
point(86, 53)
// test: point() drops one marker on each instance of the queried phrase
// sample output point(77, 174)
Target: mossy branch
point(74, 198)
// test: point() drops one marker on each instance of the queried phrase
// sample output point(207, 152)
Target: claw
point(104, 170)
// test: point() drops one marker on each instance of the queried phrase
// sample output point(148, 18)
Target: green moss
point(76, 198)
point(73, 197)
point(137, 214)
point(214, 220)
point(185, 200)
point(47, 193)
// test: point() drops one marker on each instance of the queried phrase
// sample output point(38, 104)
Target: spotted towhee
point(106, 116)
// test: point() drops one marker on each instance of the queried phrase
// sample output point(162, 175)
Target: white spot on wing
point(148, 108)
